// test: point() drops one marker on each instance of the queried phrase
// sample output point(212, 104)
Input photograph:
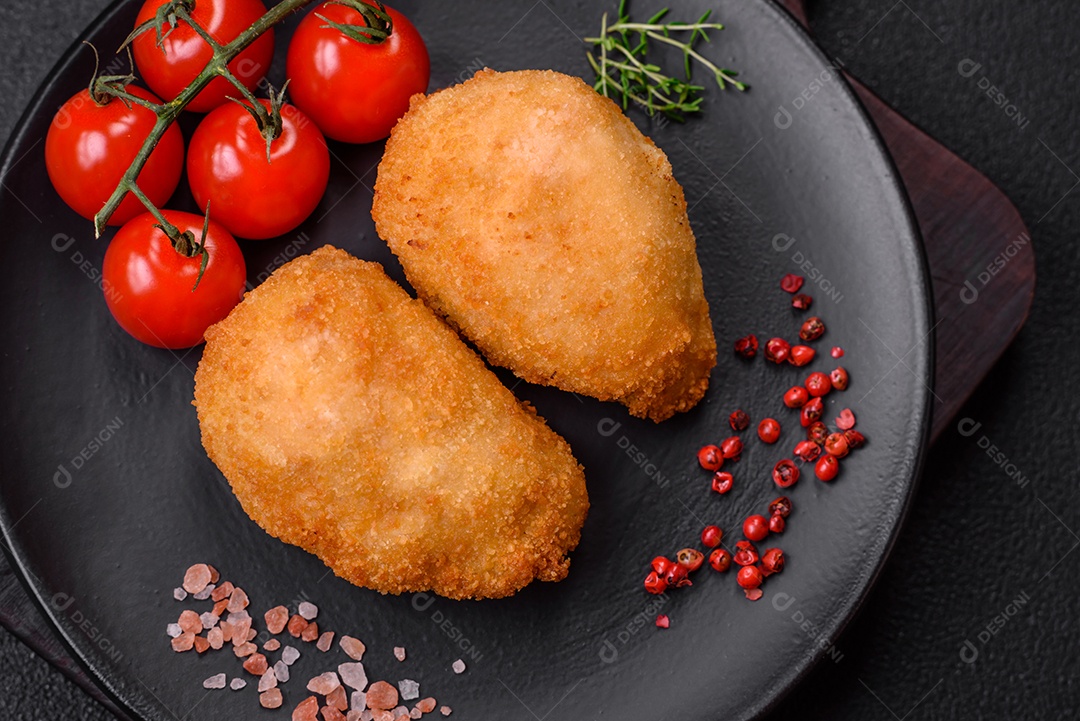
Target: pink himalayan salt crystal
point(353, 675)
point(196, 578)
point(382, 695)
point(271, 698)
point(306, 710)
point(215, 637)
point(204, 594)
point(308, 610)
point(289, 655)
point(409, 689)
point(399, 653)
point(267, 681)
point(238, 601)
point(458, 666)
point(276, 618)
point(216, 681)
point(237, 683)
point(337, 699)
point(325, 641)
point(324, 683)
point(183, 642)
point(445, 710)
point(272, 645)
point(281, 670)
point(354, 648)
point(189, 621)
point(329, 713)
point(426, 705)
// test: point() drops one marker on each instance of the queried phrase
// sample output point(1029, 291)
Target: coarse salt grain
point(325, 641)
point(271, 698)
point(306, 710)
point(196, 578)
point(214, 682)
point(214, 637)
point(296, 626)
point(245, 649)
point(222, 592)
point(189, 621)
point(308, 610)
point(256, 664)
point(238, 600)
point(201, 644)
point(324, 683)
point(353, 675)
point(409, 689)
point(173, 630)
point(183, 642)
point(354, 715)
point(399, 653)
point(329, 713)
point(415, 713)
point(458, 666)
point(382, 695)
point(276, 618)
point(445, 710)
point(400, 712)
point(354, 648)
point(179, 593)
point(337, 699)
point(289, 655)
point(426, 705)
point(237, 683)
point(358, 700)
point(203, 594)
point(267, 681)
point(208, 619)
point(311, 633)
point(281, 670)
point(272, 645)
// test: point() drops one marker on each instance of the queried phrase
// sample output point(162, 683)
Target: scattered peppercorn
point(746, 347)
point(739, 421)
point(769, 430)
point(777, 350)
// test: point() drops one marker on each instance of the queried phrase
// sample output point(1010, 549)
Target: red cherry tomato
point(150, 284)
point(182, 55)
point(227, 166)
point(89, 147)
point(353, 91)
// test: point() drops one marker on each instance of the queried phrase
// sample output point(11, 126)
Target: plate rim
point(797, 671)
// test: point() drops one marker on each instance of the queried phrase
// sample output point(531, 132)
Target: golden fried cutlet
point(352, 422)
point(532, 214)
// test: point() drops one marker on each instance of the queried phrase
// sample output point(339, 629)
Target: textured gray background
point(975, 540)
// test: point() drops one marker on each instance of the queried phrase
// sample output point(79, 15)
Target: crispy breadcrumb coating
point(533, 214)
point(353, 423)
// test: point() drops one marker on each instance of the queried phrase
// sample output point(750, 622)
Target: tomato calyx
point(379, 25)
point(267, 121)
point(167, 14)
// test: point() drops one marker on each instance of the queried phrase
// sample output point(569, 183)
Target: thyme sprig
point(619, 58)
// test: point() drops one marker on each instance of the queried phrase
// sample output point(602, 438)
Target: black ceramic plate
point(107, 495)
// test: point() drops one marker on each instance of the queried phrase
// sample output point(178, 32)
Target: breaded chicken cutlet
point(530, 212)
point(352, 422)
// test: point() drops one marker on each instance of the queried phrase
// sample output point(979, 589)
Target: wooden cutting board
point(982, 268)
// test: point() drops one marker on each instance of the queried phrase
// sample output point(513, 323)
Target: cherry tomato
point(227, 166)
point(182, 55)
point(89, 147)
point(353, 91)
point(150, 284)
